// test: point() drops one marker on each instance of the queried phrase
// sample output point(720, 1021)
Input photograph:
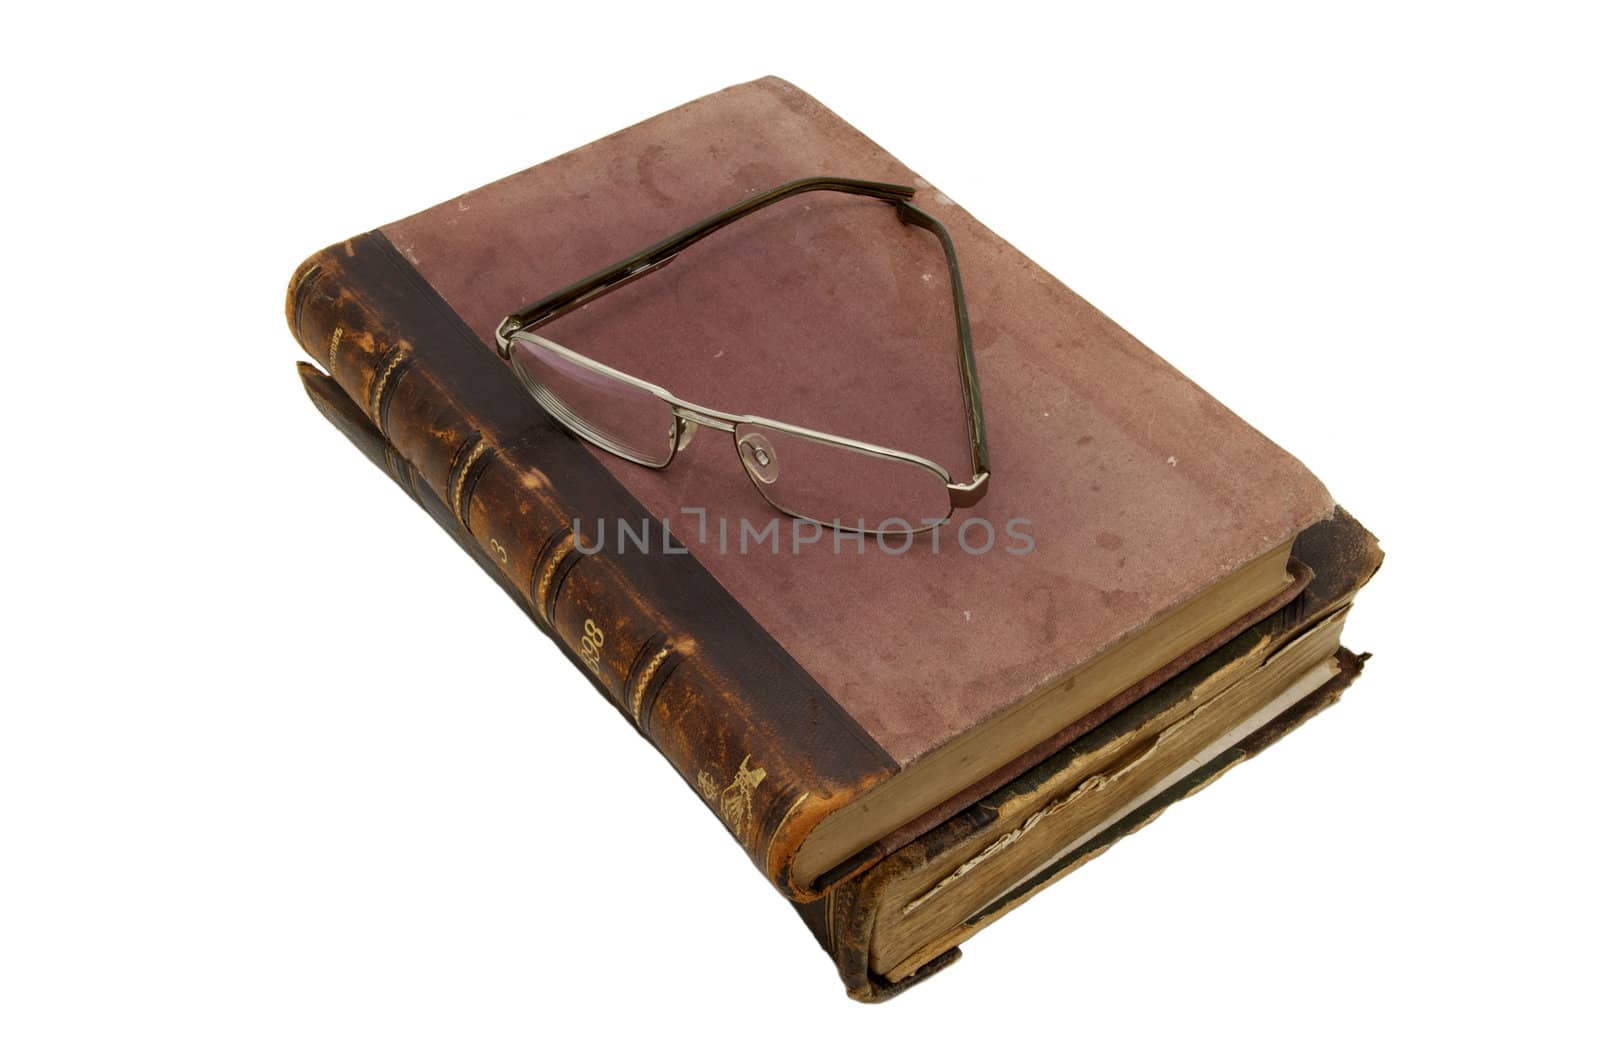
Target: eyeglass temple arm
point(659, 254)
point(967, 494)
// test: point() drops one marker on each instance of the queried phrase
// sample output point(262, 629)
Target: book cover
point(788, 684)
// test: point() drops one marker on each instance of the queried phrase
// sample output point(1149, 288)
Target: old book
point(830, 704)
point(904, 919)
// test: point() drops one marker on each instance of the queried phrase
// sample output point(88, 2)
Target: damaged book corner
point(929, 580)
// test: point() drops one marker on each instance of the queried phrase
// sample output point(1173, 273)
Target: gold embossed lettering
point(738, 798)
point(591, 642)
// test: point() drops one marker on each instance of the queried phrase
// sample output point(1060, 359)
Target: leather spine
point(761, 744)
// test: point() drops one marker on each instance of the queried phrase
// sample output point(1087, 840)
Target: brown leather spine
point(331, 401)
point(761, 743)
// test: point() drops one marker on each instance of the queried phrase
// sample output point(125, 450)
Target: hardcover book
point(1136, 602)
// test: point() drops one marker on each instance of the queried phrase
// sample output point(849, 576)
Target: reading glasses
point(832, 480)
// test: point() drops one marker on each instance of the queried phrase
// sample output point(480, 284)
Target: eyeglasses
point(830, 480)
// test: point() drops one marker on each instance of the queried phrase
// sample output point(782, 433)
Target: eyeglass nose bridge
point(690, 421)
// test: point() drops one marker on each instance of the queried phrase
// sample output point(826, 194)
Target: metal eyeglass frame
point(688, 416)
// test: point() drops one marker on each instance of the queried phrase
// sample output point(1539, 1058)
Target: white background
point(283, 776)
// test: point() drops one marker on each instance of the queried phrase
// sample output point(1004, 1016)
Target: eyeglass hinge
point(503, 333)
point(969, 494)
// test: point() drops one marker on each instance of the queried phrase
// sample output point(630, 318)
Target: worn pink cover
point(1140, 489)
